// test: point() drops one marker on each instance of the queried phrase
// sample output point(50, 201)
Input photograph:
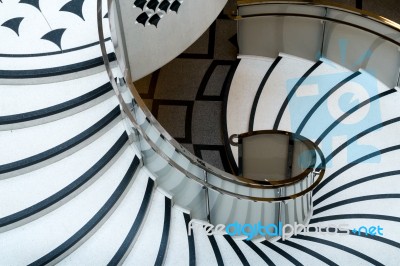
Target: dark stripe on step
point(259, 252)
point(324, 98)
point(192, 251)
point(350, 165)
point(54, 71)
point(226, 89)
point(282, 253)
point(362, 134)
point(354, 183)
point(292, 92)
point(340, 247)
point(94, 221)
point(377, 238)
point(66, 191)
point(127, 244)
point(355, 216)
point(165, 234)
point(237, 250)
point(308, 251)
point(351, 111)
point(216, 250)
point(62, 107)
point(259, 91)
point(355, 200)
point(5, 168)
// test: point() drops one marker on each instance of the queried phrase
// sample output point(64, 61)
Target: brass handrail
point(286, 181)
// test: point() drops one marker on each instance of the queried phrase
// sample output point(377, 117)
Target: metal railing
point(193, 159)
point(328, 5)
point(310, 181)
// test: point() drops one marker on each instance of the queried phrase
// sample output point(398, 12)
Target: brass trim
point(288, 181)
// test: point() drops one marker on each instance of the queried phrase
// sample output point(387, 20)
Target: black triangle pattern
point(154, 20)
point(152, 4)
point(34, 3)
point(154, 10)
point(142, 18)
point(54, 36)
point(140, 3)
point(13, 24)
point(74, 7)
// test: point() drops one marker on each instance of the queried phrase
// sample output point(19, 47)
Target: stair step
point(79, 210)
point(41, 184)
point(150, 235)
point(228, 255)
point(104, 244)
point(44, 137)
point(178, 250)
point(204, 250)
point(134, 231)
point(30, 98)
point(276, 89)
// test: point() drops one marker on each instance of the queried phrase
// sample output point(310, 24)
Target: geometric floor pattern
point(187, 95)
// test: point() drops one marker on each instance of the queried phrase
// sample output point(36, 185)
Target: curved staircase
point(78, 186)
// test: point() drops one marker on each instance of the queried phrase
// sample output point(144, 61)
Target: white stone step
point(48, 232)
point(320, 81)
point(357, 90)
point(278, 86)
point(389, 162)
point(252, 257)
point(383, 206)
point(102, 246)
point(22, 143)
point(42, 183)
point(336, 255)
point(148, 242)
point(245, 83)
point(360, 244)
point(28, 98)
point(178, 249)
point(384, 185)
point(275, 257)
point(301, 256)
point(228, 255)
point(204, 252)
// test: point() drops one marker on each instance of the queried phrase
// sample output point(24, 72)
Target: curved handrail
point(321, 3)
point(319, 18)
point(196, 161)
point(309, 144)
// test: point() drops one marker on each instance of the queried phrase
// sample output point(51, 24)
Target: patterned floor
point(186, 95)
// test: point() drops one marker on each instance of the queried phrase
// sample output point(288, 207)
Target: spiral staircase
point(88, 176)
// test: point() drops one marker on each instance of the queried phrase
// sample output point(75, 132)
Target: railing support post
point(321, 52)
point(207, 199)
